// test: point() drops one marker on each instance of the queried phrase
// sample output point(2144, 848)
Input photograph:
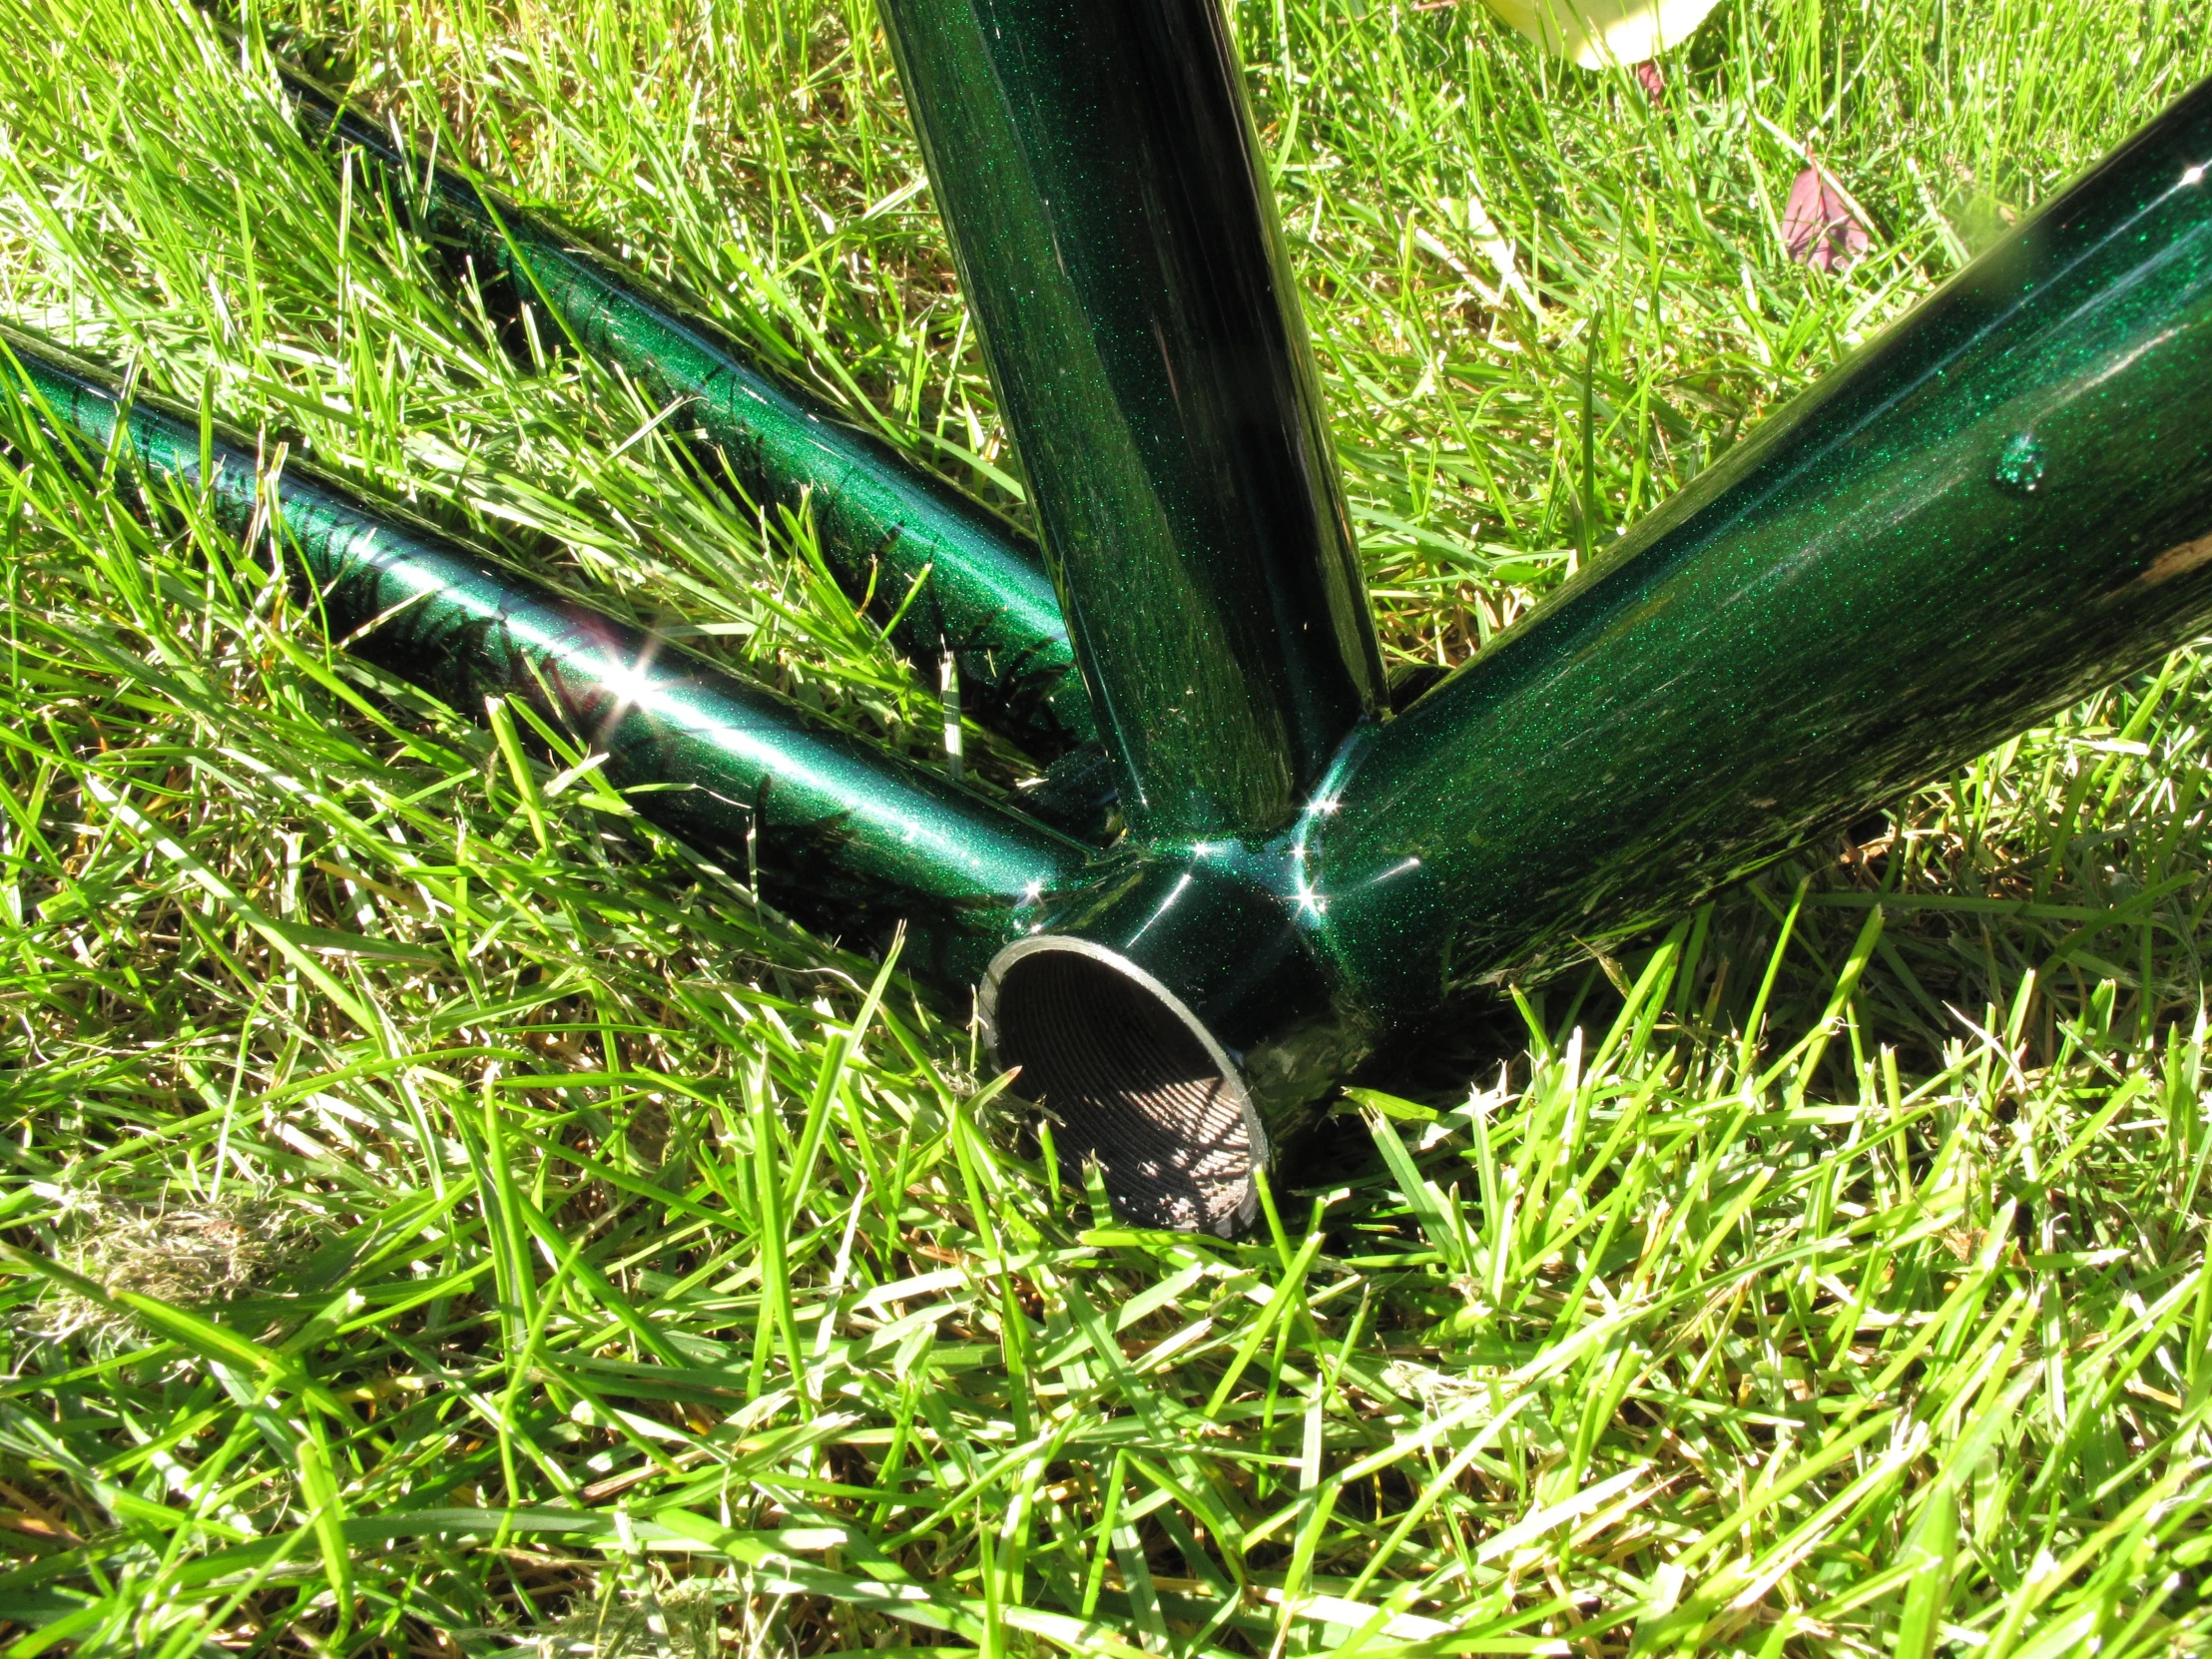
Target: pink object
point(1652, 80)
point(1818, 226)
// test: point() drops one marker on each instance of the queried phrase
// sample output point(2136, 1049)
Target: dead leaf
point(1818, 226)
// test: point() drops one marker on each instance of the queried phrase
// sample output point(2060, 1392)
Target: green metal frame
point(1999, 506)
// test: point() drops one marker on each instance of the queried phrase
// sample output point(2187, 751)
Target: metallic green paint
point(885, 525)
point(1109, 212)
point(2001, 505)
point(833, 829)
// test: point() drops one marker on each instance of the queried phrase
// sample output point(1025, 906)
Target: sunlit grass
point(421, 1239)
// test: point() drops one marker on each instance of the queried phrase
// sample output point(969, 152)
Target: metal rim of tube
point(1137, 1079)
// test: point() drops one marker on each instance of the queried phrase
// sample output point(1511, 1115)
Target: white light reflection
point(626, 682)
point(632, 683)
point(1166, 904)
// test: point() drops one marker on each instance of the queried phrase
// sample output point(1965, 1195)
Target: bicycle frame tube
point(833, 828)
point(953, 574)
point(1104, 192)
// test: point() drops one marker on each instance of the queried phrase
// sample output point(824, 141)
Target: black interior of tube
point(1126, 1081)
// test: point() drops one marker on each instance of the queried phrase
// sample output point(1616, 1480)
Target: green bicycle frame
point(2001, 505)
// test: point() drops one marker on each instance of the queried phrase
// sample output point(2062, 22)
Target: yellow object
point(1596, 32)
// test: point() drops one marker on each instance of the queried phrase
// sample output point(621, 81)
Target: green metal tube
point(885, 525)
point(2000, 506)
point(1107, 204)
point(830, 828)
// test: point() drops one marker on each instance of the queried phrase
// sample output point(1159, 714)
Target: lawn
point(444, 1216)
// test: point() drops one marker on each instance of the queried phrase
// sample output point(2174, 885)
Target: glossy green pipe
point(833, 828)
point(1990, 513)
point(1107, 205)
point(2003, 505)
point(885, 525)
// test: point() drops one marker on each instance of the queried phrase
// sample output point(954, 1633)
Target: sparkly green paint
point(884, 525)
point(1105, 196)
point(839, 832)
point(2003, 504)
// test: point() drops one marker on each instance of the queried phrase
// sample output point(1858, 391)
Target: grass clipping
point(191, 1257)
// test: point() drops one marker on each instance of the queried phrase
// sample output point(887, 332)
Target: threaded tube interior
point(1127, 1079)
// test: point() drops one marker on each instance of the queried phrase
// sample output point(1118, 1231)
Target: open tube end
point(1131, 1078)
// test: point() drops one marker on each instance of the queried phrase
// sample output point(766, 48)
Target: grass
point(426, 1236)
